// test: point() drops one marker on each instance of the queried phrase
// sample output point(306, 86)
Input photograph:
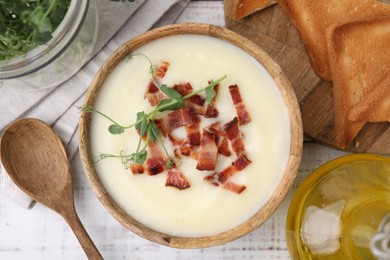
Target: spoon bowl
point(35, 159)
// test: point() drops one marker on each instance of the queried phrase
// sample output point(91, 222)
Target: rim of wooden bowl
point(295, 147)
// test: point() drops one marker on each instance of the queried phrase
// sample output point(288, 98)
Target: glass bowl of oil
point(338, 211)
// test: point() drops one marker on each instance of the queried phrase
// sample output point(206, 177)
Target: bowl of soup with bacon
point(190, 135)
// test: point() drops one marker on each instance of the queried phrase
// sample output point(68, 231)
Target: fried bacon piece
point(234, 135)
point(193, 121)
point(189, 145)
point(156, 161)
point(160, 123)
point(217, 129)
point(233, 187)
point(241, 162)
point(223, 147)
point(208, 151)
point(183, 89)
point(175, 119)
point(176, 141)
point(223, 141)
point(176, 178)
point(187, 150)
point(178, 153)
point(242, 113)
point(161, 69)
point(238, 165)
point(196, 102)
point(153, 94)
point(213, 179)
point(137, 168)
point(154, 166)
point(180, 117)
point(226, 173)
point(193, 132)
point(211, 112)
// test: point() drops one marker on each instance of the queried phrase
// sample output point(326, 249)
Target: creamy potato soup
point(205, 208)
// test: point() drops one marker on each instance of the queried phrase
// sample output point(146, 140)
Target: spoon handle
point(89, 247)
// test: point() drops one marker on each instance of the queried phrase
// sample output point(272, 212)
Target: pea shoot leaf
point(144, 126)
point(140, 157)
point(140, 116)
point(170, 92)
point(168, 104)
point(154, 133)
point(210, 93)
point(115, 129)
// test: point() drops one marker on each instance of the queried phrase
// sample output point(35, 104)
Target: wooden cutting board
point(272, 31)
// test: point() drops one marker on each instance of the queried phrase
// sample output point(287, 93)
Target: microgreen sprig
point(171, 103)
point(152, 67)
point(145, 124)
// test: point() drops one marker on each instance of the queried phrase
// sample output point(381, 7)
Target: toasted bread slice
point(243, 8)
point(311, 18)
point(375, 107)
point(359, 55)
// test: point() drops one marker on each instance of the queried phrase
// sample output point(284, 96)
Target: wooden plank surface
point(272, 31)
point(42, 234)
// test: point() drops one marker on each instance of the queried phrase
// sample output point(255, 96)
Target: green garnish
point(145, 124)
point(25, 24)
point(170, 92)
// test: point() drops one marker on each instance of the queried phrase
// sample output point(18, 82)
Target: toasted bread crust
point(376, 105)
point(359, 55)
point(312, 18)
point(243, 8)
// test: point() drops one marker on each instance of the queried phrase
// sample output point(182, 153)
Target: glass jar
point(61, 57)
point(341, 209)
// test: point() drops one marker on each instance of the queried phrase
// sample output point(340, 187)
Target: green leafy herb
point(152, 68)
point(170, 92)
point(210, 93)
point(25, 24)
point(140, 116)
point(145, 124)
point(154, 130)
point(115, 129)
point(140, 157)
point(168, 104)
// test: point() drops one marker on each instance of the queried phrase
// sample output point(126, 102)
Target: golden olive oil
point(337, 210)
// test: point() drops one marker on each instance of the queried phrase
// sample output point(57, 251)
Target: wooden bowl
point(295, 146)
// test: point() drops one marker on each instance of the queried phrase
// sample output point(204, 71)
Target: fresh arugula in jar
point(26, 24)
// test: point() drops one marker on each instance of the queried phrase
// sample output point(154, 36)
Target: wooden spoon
point(35, 159)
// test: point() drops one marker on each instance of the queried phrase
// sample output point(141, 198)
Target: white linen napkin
point(119, 21)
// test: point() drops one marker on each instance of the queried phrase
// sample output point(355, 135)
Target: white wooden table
point(42, 234)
